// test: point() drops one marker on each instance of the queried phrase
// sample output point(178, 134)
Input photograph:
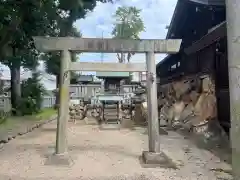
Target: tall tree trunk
point(6, 36)
point(15, 84)
point(58, 91)
point(121, 57)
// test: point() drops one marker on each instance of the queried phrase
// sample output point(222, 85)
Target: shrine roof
point(112, 74)
point(83, 78)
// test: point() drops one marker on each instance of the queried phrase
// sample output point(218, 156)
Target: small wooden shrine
point(113, 80)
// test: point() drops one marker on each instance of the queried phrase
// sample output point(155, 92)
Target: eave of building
point(164, 59)
point(210, 2)
point(214, 35)
point(168, 57)
point(180, 9)
point(112, 74)
point(85, 78)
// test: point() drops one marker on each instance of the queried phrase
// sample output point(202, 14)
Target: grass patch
point(45, 114)
point(14, 122)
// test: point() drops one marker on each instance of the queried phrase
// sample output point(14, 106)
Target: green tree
point(20, 20)
point(128, 25)
point(32, 96)
point(71, 11)
point(75, 77)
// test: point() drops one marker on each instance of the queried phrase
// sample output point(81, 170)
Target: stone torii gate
point(68, 44)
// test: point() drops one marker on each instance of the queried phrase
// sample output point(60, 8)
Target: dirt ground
point(105, 154)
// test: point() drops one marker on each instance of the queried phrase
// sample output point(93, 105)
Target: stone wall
point(190, 104)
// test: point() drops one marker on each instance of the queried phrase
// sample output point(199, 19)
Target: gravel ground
point(105, 155)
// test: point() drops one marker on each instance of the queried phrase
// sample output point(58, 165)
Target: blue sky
point(156, 15)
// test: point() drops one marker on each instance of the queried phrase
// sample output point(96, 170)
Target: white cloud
point(156, 15)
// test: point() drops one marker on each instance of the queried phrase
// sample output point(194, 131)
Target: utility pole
point(233, 39)
point(102, 54)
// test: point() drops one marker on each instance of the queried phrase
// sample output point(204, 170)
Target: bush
point(32, 95)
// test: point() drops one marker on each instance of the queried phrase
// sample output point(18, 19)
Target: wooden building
point(202, 27)
point(84, 79)
point(112, 80)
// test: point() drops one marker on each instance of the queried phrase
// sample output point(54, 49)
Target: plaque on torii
point(147, 46)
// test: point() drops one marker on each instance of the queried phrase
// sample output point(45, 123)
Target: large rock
point(178, 108)
point(181, 87)
point(206, 107)
point(144, 109)
point(77, 111)
point(194, 95)
point(167, 113)
point(208, 85)
point(187, 113)
point(181, 100)
point(192, 105)
point(139, 115)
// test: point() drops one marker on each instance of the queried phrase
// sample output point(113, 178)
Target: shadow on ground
point(37, 132)
point(52, 129)
point(219, 147)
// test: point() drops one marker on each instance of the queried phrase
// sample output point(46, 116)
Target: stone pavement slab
point(102, 155)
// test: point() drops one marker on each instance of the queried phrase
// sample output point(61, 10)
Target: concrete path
point(104, 155)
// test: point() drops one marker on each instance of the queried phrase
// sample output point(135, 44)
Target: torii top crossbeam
point(45, 44)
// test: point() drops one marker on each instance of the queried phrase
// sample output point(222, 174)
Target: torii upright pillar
point(233, 36)
point(153, 127)
point(63, 114)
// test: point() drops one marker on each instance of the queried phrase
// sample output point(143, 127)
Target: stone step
point(110, 110)
point(111, 118)
point(110, 107)
point(109, 126)
point(110, 113)
point(111, 121)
